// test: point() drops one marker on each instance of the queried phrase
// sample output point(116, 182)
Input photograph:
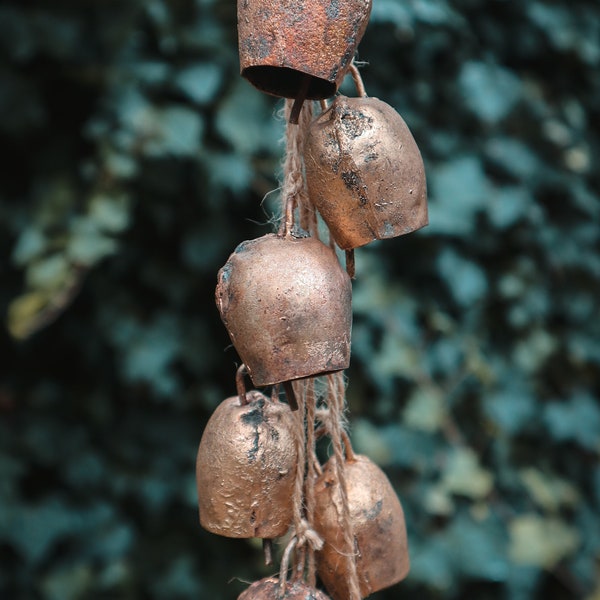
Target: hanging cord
point(311, 475)
point(336, 401)
point(285, 562)
point(293, 189)
point(307, 539)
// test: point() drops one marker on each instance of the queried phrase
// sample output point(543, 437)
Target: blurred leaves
point(138, 159)
point(541, 542)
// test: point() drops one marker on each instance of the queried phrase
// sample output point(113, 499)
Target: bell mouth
point(288, 83)
point(260, 380)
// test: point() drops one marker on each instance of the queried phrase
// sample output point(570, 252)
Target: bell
point(246, 467)
point(364, 172)
point(286, 303)
point(377, 522)
point(270, 589)
point(290, 48)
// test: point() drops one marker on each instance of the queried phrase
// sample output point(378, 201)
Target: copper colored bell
point(286, 303)
point(287, 45)
point(245, 468)
point(377, 522)
point(270, 589)
point(364, 172)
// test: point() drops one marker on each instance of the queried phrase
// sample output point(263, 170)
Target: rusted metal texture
point(378, 526)
point(286, 303)
point(364, 172)
point(269, 589)
point(245, 468)
point(281, 42)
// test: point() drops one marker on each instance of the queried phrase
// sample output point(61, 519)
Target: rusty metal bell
point(286, 303)
point(270, 589)
point(246, 466)
point(377, 521)
point(290, 48)
point(364, 172)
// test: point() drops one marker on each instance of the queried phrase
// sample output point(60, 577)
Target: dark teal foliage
point(135, 160)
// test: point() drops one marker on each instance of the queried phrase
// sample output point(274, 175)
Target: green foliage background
point(135, 159)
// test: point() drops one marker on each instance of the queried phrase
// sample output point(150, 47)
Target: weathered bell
point(270, 589)
point(364, 172)
point(288, 45)
point(245, 468)
point(377, 522)
point(286, 303)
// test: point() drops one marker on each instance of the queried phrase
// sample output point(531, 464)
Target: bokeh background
point(135, 159)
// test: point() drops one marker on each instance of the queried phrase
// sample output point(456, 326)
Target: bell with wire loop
point(246, 466)
point(292, 48)
point(377, 523)
point(270, 589)
point(364, 172)
point(286, 303)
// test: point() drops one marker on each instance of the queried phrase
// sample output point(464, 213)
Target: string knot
point(305, 535)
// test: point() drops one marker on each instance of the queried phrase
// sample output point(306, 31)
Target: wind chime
point(285, 300)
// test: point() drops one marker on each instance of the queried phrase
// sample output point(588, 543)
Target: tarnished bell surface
point(378, 525)
point(364, 172)
point(245, 468)
point(269, 589)
point(283, 41)
point(286, 303)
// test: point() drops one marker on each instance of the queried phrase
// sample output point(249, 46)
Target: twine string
point(283, 568)
point(307, 539)
point(336, 401)
point(311, 475)
point(293, 189)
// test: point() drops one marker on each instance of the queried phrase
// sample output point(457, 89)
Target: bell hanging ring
point(364, 172)
point(292, 48)
point(286, 304)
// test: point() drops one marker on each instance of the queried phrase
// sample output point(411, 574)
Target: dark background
point(135, 159)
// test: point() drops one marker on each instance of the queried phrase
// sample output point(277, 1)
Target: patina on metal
point(377, 521)
point(245, 468)
point(364, 172)
point(281, 42)
point(270, 589)
point(286, 303)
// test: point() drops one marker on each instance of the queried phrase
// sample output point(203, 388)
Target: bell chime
point(285, 301)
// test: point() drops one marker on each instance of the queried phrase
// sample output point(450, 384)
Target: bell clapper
point(291, 396)
point(267, 544)
point(350, 263)
point(300, 98)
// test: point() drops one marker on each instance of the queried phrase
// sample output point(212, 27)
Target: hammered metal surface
point(245, 468)
point(364, 172)
point(378, 525)
point(268, 589)
point(282, 41)
point(286, 303)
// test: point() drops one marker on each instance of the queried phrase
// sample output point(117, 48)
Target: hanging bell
point(246, 466)
point(286, 303)
point(364, 172)
point(377, 522)
point(290, 47)
point(270, 589)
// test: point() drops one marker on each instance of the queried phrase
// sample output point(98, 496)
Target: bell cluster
point(286, 303)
